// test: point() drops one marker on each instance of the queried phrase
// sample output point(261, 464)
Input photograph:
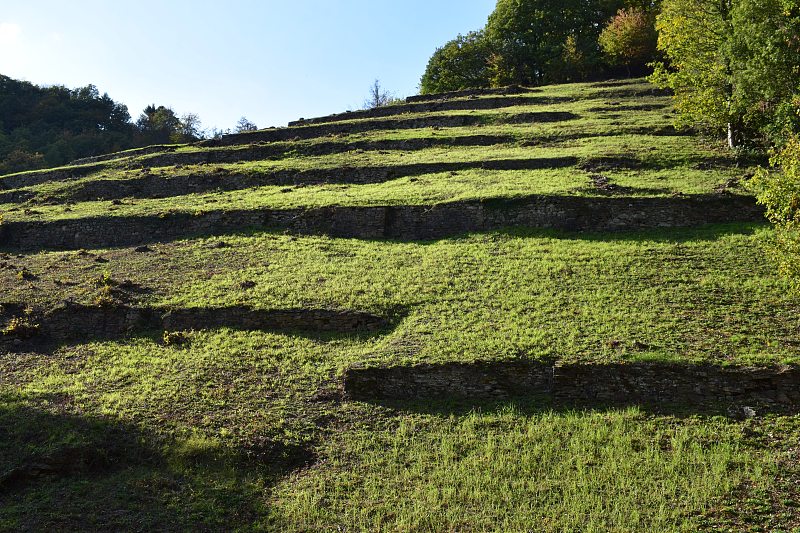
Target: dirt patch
point(597, 165)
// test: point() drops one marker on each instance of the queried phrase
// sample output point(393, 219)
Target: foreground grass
point(510, 470)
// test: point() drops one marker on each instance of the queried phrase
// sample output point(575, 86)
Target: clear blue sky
point(270, 60)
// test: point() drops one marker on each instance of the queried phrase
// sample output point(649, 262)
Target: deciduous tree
point(630, 38)
point(462, 63)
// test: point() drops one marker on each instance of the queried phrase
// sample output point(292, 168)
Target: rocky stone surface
point(349, 128)
point(623, 383)
point(419, 222)
point(76, 322)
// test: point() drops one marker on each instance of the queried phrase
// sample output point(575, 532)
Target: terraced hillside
point(519, 309)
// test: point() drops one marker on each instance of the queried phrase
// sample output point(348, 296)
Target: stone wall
point(149, 185)
point(349, 128)
point(38, 177)
point(76, 322)
point(408, 223)
point(623, 383)
point(511, 89)
point(432, 106)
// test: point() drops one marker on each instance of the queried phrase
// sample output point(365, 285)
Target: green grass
point(511, 470)
point(248, 430)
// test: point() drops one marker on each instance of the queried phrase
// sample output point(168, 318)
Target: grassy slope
point(218, 434)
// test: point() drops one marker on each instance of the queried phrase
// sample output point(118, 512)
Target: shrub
point(20, 327)
point(175, 338)
point(630, 38)
point(779, 191)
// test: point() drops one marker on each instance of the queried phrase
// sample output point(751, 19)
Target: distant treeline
point(51, 126)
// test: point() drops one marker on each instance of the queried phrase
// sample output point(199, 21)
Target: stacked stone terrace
point(591, 157)
point(248, 180)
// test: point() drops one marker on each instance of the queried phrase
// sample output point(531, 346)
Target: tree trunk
point(733, 140)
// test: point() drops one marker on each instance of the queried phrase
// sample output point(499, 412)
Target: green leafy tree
point(462, 63)
point(779, 192)
point(44, 126)
point(765, 58)
point(694, 34)
point(630, 38)
point(527, 42)
point(733, 65)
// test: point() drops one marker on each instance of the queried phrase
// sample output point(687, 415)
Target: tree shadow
point(66, 471)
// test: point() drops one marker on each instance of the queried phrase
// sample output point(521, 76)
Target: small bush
point(175, 338)
point(26, 275)
point(779, 191)
point(105, 279)
point(20, 327)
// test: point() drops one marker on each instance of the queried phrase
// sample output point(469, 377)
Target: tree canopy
point(733, 65)
point(630, 38)
point(51, 126)
point(528, 42)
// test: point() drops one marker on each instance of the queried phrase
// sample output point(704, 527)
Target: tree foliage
point(693, 34)
point(765, 73)
point(51, 126)
point(527, 42)
point(733, 65)
point(630, 38)
point(462, 63)
point(779, 192)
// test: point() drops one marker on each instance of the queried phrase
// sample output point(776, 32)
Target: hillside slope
point(518, 309)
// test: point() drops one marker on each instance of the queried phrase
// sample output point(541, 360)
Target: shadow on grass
point(63, 471)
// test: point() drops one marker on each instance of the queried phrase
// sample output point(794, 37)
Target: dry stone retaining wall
point(348, 128)
point(437, 105)
point(624, 383)
point(149, 185)
point(406, 223)
point(511, 89)
point(72, 321)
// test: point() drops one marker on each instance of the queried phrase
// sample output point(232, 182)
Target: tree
point(765, 58)
point(527, 42)
point(158, 124)
point(244, 125)
point(460, 64)
point(630, 38)
point(378, 97)
point(190, 128)
point(733, 65)
point(779, 192)
point(694, 35)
